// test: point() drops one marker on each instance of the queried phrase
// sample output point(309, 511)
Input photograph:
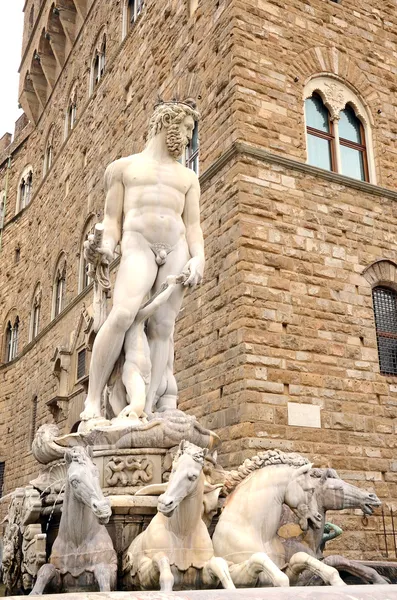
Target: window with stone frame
point(25, 189)
point(84, 274)
point(59, 289)
point(337, 130)
point(35, 314)
point(385, 312)
point(48, 152)
point(98, 63)
point(192, 151)
point(133, 10)
point(71, 112)
point(11, 341)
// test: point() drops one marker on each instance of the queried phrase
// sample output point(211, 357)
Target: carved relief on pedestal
point(124, 471)
point(24, 544)
point(34, 554)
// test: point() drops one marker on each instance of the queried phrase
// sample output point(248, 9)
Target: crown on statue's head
point(189, 102)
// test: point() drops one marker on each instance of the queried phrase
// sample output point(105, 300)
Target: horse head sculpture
point(333, 493)
point(83, 550)
point(83, 480)
point(185, 477)
point(300, 497)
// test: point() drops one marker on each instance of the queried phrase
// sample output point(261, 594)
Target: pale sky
point(11, 24)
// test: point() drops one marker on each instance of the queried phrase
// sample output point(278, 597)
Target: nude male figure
point(152, 208)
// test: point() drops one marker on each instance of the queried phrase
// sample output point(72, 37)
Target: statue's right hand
point(94, 254)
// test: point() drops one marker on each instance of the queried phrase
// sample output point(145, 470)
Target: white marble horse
point(246, 533)
point(83, 552)
point(175, 551)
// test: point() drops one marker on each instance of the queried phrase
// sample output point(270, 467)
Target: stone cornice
point(243, 149)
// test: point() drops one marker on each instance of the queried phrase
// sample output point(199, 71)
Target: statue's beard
point(175, 141)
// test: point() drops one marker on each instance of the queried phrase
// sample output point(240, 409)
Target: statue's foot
point(90, 412)
point(126, 417)
point(89, 424)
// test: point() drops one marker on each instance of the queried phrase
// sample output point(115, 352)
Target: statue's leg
point(258, 568)
point(215, 570)
point(367, 574)
point(48, 575)
point(106, 577)
point(136, 389)
point(301, 561)
point(161, 570)
point(161, 328)
point(135, 278)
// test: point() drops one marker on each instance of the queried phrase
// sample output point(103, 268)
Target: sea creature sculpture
point(246, 533)
point(83, 552)
point(175, 551)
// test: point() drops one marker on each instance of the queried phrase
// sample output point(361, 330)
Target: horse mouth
point(368, 509)
point(167, 511)
point(103, 514)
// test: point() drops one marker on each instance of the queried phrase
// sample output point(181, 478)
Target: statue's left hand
point(194, 270)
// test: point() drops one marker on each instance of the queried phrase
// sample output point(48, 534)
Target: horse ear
point(302, 470)
point(181, 448)
point(68, 457)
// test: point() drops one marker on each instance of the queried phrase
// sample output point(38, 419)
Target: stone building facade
point(278, 346)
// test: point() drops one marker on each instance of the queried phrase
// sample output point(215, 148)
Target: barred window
point(2, 468)
point(33, 423)
point(81, 364)
point(385, 309)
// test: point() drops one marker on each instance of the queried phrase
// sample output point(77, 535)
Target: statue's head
point(178, 119)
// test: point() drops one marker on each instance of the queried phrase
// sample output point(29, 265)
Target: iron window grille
point(385, 311)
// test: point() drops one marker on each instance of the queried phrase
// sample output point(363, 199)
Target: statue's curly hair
point(171, 113)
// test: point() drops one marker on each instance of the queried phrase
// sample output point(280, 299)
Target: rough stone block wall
point(284, 314)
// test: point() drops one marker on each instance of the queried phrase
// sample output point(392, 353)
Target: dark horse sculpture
point(331, 493)
point(83, 552)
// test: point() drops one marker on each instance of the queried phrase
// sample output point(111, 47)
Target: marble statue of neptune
point(152, 209)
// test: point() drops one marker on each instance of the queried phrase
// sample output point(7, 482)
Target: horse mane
point(269, 458)
point(198, 454)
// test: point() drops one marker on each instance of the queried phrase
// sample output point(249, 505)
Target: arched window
point(320, 135)
point(338, 129)
point(353, 152)
point(132, 10)
point(59, 289)
point(98, 63)
point(84, 277)
point(71, 112)
point(192, 151)
point(25, 188)
point(385, 311)
point(12, 333)
point(35, 314)
point(48, 152)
